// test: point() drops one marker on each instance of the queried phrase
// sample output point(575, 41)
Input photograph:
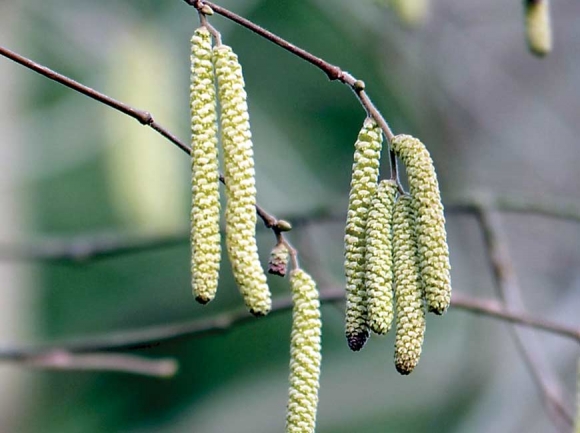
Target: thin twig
point(333, 72)
point(144, 117)
point(510, 292)
point(154, 336)
point(62, 360)
point(86, 248)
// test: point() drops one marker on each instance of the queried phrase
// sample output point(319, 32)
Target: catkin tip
point(357, 341)
point(203, 299)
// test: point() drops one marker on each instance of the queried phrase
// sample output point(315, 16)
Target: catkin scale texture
point(408, 290)
point(365, 173)
point(379, 258)
point(538, 26)
point(305, 354)
point(205, 209)
point(240, 182)
point(430, 225)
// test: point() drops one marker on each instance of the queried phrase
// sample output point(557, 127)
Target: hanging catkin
point(240, 182)
point(305, 354)
point(205, 209)
point(365, 173)
point(408, 291)
point(538, 26)
point(379, 258)
point(431, 235)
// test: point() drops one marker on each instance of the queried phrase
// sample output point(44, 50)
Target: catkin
point(431, 235)
point(379, 258)
point(411, 12)
point(205, 209)
point(408, 291)
point(538, 26)
point(240, 182)
point(305, 354)
point(365, 173)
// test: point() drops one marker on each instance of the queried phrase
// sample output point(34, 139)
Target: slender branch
point(511, 294)
point(62, 360)
point(155, 336)
point(333, 72)
point(144, 117)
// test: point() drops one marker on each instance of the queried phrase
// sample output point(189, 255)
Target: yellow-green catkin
point(305, 356)
point(410, 307)
point(240, 182)
point(538, 26)
point(205, 209)
point(379, 258)
point(411, 12)
point(365, 173)
point(431, 234)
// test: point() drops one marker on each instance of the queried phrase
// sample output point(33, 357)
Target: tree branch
point(121, 363)
point(511, 294)
point(154, 336)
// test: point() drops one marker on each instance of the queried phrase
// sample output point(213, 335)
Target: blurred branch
point(511, 294)
point(156, 335)
point(62, 360)
point(87, 248)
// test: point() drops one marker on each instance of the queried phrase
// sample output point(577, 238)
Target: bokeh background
point(497, 120)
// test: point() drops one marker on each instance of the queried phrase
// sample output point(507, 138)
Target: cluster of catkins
point(395, 247)
point(219, 65)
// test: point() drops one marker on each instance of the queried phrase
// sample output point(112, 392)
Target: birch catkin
point(408, 291)
point(365, 173)
point(240, 183)
point(431, 234)
point(305, 354)
point(538, 26)
point(379, 258)
point(205, 209)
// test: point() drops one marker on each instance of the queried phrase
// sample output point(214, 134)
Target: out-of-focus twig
point(122, 363)
point(510, 293)
point(154, 336)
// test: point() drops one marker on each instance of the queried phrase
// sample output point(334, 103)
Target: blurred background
point(497, 120)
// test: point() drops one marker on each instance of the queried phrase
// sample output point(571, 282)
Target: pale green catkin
point(205, 209)
point(431, 234)
point(410, 307)
point(379, 258)
point(305, 354)
point(538, 26)
point(240, 183)
point(365, 173)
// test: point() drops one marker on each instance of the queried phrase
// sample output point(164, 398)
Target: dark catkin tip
point(257, 313)
point(437, 311)
point(202, 300)
point(403, 369)
point(357, 341)
point(277, 269)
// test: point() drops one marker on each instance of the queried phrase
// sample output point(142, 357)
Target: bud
point(431, 234)
point(205, 209)
point(365, 173)
point(240, 182)
point(305, 354)
point(279, 256)
point(408, 291)
point(379, 258)
point(538, 26)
